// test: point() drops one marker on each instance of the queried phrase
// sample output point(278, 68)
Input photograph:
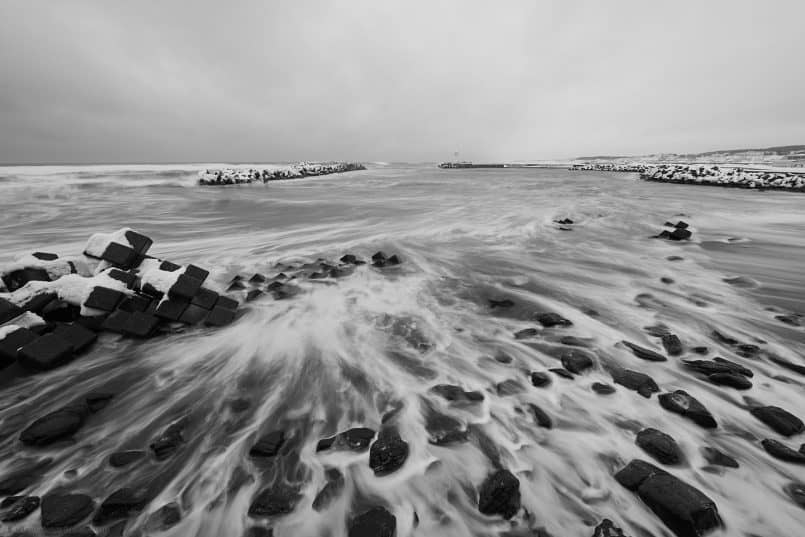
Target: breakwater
point(727, 177)
point(239, 176)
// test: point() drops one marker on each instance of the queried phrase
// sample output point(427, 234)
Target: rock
point(644, 353)
point(11, 343)
point(456, 394)
point(791, 320)
point(562, 372)
point(634, 380)
point(717, 365)
point(278, 499)
point(103, 298)
point(778, 450)
point(18, 278)
point(700, 350)
point(503, 303)
point(257, 531)
point(602, 388)
point(257, 278)
point(659, 445)
point(782, 421)
point(220, 316)
point(168, 442)
point(171, 309)
point(163, 518)
point(680, 402)
point(20, 480)
point(348, 259)
point(672, 344)
point(185, 288)
point(124, 458)
point(540, 379)
point(388, 453)
point(78, 336)
point(666, 280)
point(509, 387)
point(65, 510)
point(733, 380)
point(684, 509)
point(268, 445)
point(8, 310)
point(331, 490)
point(21, 508)
point(122, 503)
point(58, 425)
point(444, 430)
point(205, 298)
point(681, 225)
point(577, 360)
point(376, 522)
point(45, 352)
point(500, 495)
point(719, 458)
point(254, 294)
point(356, 439)
point(116, 321)
point(236, 286)
point(787, 364)
point(680, 234)
point(722, 338)
point(796, 491)
point(551, 319)
point(540, 416)
point(142, 325)
point(747, 350)
point(608, 529)
point(526, 333)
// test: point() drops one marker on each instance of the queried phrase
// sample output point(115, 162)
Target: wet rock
point(18, 278)
point(573, 341)
point(503, 358)
point(717, 365)
point(376, 522)
point(700, 350)
point(540, 379)
point(526, 333)
point(791, 320)
point(684, 509)
point(562, 372)
point(672, 344)
point(268, 445)
point(747, 350)
point(666, 280)
point(122, 503)
point(796, 491)
point(58, 425)
point(258, 531)
point(236, 286)
point(634, 380)
point(78, 336)
point(733, 380)
point(124, 458)
point(659, 445)
point(782, 421)
point(65, 510)
point(254, 294)
point(331, 490)
point(577, 360)
point(388, 453)
point(778, 450)
point(723, 338)
point(21, 508)
point(509, 387)
point(168, 442)
point(719, 458)
point(356, 439)
point(503, 303)
point(220, 316)
point(551, 319)
point(444, 430)
point(787, 364)
point(163, 518)
point(349, 259)
point(103, 298)
point(44, 353)
point(205, 298)
point(257, 278)
point(644, 353)
point(680, 234)
point(608, 529)
point(278, 499)
point(540, 416)
point(456, 394)
point(142, 325)
point(11, 343)
point(8, 310)
point(602, 388)
point(500, 495)
point(680, 402)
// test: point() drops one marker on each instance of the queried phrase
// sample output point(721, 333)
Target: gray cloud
point(89, 81)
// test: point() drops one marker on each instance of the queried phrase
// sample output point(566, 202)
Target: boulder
point(79, 337)
point(782, 421)
point(18, 278)
point(685, 510)
point(719, 458)
point(356, 439)
point(21, 508)
point(717, 365)
point(122, 503)
point(63, 510)
point(45, 352)
point(444, 430)
point(602, 388)
point(672, 344)
point(456, 394)
point(171, 309)
point(680, 402)
point(778, 450)
point(56, 426)
point(659, 445)
point(268, 445)
point(220, 316)
point(644, 353)
point(634, 380)
point(140, 325)
point(500, 495)
point(103, 298)
point(577, 360)
point(11, 344)
point(278, 499)
point(388, 453)
point(551, 319)
point(540, 416)
point(540, 379)
point(733, 380)
point(375, 522)
point(205, 298)
point(8, 310)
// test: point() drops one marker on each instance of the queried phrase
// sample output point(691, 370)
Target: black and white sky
point(210, 81)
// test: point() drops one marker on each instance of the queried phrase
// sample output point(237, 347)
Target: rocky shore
point(238, 176)
point(726, 177)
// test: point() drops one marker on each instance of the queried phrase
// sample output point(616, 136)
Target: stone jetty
point(611, 167)
point(239, 176)
point(727, 177)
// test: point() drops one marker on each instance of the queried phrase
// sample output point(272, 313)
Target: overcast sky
point(211, 81)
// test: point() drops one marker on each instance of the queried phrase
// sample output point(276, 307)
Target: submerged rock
point(500, 495)
point(540, 416)
point(562, 372)
point(608, 529)
point(719, 458)
point(717, 365)
point(551, 319)
point(388, 453)
point(782, 421)
point(509, 387)
point(124, 458)
point(796, 491)
point(268, 445)
point(444, 430)
point(672, 344)
point(355, 439)
point(56, 426)
point(540, 379)
point(278, 499)
point(602, 388)
point(733, 380)
point(778, 450)
point(644, 353)
point(577, 360)
point(660, 446)
point(680, 402)
point(634, 380)
point(122, 503)
point(526, 333)
point(376, 522)
point(21, 508)
point(457, 394)
point(165, 517)
point(61, 510)
point(169, 441)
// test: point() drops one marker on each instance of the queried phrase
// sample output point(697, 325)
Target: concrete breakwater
point(728, 177)
point(238, 176)
point(611, 167)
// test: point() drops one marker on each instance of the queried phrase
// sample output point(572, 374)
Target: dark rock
point(39, 302)
point(700, 350)
point(65, 510)
point(348, 258)
point(564, 221)
point(577, 360)
point(220, 316)
point(684, 509)
point(258, 531)
point(526, 333)
point(376, 522)
point(602, 388)
point(45, 256)
point(227, 303)
point(747, 350)
point(45, 352)
point(503, 303)
point(205, 298)
point(672, 344)
point(331, 490)
point(165, 517)
point(278, 499)
point(254, 294)
point(791, 320)
point(356, 439)
point(500, 495)
point(444, 430)
point(723, 338)
point(782, 421)
point(503, 358)
point(125, 276)
point(787, 364)
point(236, 286)
point(540, 379)
point(257, 278)
point(644, 353)
point(141, 325)
point(666, 280)
point(58, 425)
point(103, 298)
point(10, 345)
point(717, 365)
point(388, 453)
point(680, 402)
point(680, 234)
point(21, 508)
point(18, 278)
point(393, 260)
point(733, 380)
point(185, 288)
point(659, 445)
point(169, 441)
point(8, 310)
point(796, 491)
point(778, 450)
point(119, 255)
point(540, 416)
point(138, 242)
point(456, 394)
point(79, 337)
point(573, 341)
point(197, 273)
point(681, 225)
point(268, 445)
point(171, 309)
point(608, 529)
point(551, 319)
point(719, 458)
point(122, 503)
point(509, 387)
point(124, 458)
point(564, 373)
point(97, 400)
point(634, 380)
point(378, 256)
point(116, 321)
point(169, 266)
